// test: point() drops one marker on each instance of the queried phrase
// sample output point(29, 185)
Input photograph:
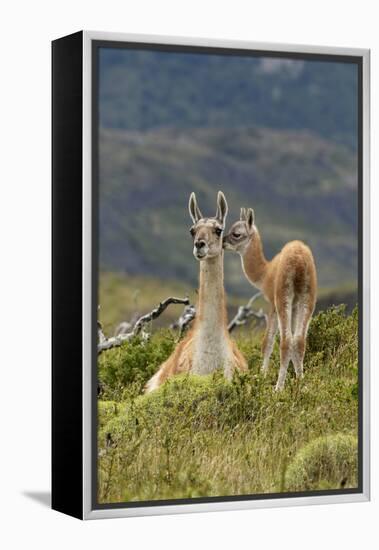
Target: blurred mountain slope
point(150, 89)
point(301, 187)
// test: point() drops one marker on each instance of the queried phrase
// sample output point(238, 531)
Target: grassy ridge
point(203, 436)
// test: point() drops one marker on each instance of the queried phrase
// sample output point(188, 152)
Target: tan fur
point(289, 284)
point(208, 345)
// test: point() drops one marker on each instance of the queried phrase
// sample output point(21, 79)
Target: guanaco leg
point(284, 309)
point(269, 338)
point(301, 317)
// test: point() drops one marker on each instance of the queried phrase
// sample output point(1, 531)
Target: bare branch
point(157, 312)
point(126, 326)
point(123, 328)
point(116, 341)
point(244, 313)
point(123, 336)
point(126, 331)
point(185, 319)
point(100, 334)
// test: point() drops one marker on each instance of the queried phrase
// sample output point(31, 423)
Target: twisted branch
point(123, 336)
point(100, 334)
point(188, 315)
point(244, 313)
point(127, 331)
point(157, 312)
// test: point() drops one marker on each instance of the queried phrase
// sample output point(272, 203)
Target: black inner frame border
point(96, 45)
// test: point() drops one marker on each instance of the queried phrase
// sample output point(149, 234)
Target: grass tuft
point(324, 463)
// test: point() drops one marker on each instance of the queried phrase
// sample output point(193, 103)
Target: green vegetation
point(325, 463)
point(204, 436)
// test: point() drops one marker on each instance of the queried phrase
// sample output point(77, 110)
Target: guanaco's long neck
point(253, 260)
point(211, 302)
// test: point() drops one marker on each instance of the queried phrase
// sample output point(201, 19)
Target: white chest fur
point(211, 352)
point(211, 347)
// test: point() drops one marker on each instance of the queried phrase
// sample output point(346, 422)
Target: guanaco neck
point(211, 302)
point(254, 262)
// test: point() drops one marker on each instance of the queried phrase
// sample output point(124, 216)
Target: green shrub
point(203, 435)
point(332, 331)
point(106, 410)
point(199, 402)
point(325, 463)
point(127, 368)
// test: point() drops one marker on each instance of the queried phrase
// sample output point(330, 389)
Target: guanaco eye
point(237, 235)
point(218, 231)
point(192, 231)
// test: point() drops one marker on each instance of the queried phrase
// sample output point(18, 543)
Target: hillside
point(150, 89)
point(300, 185)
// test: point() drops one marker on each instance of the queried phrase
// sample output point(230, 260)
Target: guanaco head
point(241, 232)
point(207, 232)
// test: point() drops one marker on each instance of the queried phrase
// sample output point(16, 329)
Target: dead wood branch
point(127, 331)
point(245, 313)
point(100, 334)
point(184, 320)
point(123, 328)
point(157, 312)
point(122, 336)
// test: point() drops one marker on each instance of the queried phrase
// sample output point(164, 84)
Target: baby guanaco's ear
point(243, 215)
point(250, 217)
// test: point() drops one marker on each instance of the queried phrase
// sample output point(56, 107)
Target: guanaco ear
point(194, 210)
point(243, 215)
point(250, 217)
point(222, 208)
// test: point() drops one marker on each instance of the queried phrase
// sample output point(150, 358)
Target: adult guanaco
point(289, 284)
point(207, 346)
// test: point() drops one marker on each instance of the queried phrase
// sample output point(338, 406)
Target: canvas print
point(228, 289)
